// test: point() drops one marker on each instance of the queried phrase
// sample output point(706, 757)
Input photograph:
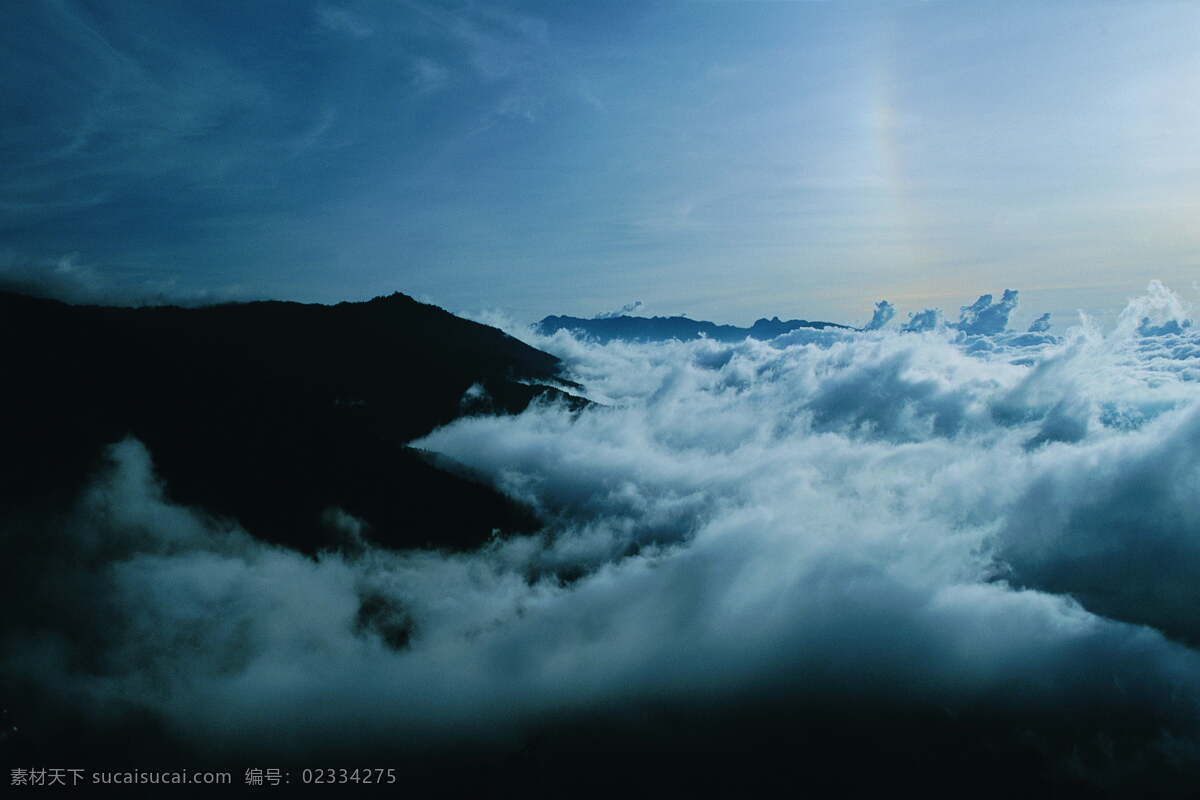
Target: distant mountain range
point(269, 413)
point(661, 329)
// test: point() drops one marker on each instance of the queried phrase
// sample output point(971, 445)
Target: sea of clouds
point(990, 526)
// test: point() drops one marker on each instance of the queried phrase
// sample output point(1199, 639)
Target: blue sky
point(724, 159)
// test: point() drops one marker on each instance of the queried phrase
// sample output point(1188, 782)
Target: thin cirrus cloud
point(734, 160)
point(341, 20)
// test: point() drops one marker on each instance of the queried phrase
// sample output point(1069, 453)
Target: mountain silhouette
point(268, 413)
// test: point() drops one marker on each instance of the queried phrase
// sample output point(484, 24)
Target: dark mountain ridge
point(661, 329)
point(269, 413)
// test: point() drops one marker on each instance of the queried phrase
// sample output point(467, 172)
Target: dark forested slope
point(269, 413)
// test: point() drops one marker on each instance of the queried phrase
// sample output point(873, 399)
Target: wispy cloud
point(73, 280)
point(343, 21)
point(428, 76)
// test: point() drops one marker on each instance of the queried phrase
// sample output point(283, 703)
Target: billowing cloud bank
point(986, 534)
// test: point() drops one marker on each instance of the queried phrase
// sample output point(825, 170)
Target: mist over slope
point(947, 554)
